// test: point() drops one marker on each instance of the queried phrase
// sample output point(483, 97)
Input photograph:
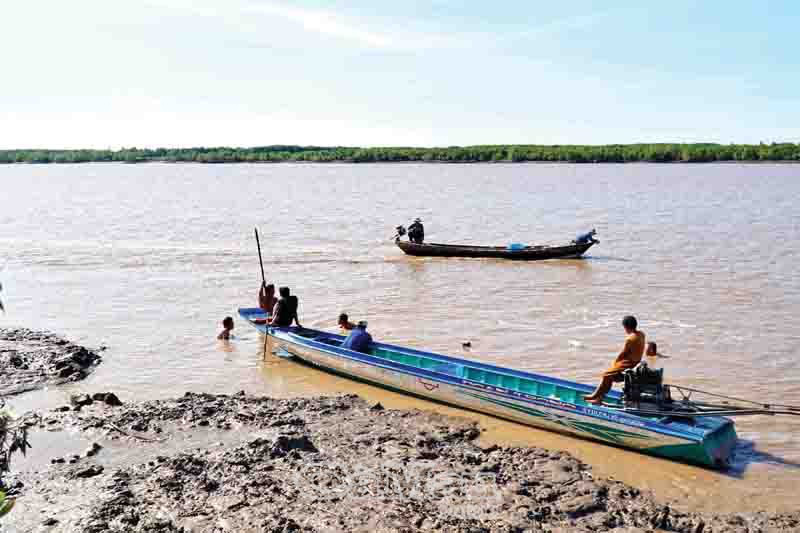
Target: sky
point(179, 73)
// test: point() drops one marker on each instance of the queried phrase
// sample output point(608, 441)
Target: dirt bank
point(32, 359)
point(324, 464)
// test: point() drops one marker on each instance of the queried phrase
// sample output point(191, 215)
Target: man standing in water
point(629, 357)
point(266, 297)
point(285, 310)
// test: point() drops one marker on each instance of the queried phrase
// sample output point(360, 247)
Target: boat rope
point(762, 405)
point(722, 412)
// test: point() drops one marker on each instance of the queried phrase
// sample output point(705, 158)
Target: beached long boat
point(524, 253)
point(535, 400)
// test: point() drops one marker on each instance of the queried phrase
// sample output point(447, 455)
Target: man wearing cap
point(358, 340)
point(416, 231)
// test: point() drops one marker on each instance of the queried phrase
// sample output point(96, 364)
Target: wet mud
point(323, 464)
point(33, 359)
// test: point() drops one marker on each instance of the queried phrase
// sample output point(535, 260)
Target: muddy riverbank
point(34, 359)
point(322, 464)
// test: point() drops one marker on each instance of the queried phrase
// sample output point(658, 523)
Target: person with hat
point(416, 231)
point(358, 340)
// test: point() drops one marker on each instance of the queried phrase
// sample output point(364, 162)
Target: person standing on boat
point(266, 297)
point(416, 231)
point(358, 340)
point(629, 357)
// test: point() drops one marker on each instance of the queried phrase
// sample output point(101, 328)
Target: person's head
point(343, 318)
point(227, 323)
point(284, 292)
point(362, 324)
point(270, 289)
point(652, 349)
point(629, 323)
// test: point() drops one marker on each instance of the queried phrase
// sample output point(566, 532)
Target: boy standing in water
point(225, 334)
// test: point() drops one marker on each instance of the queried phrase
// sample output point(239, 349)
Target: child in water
point(652, 350)
point(225, 334)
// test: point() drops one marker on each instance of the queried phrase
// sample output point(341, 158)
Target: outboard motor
point(645, 385)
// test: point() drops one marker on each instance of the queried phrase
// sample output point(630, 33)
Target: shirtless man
point(266, 297)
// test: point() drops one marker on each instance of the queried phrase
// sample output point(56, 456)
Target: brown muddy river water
point(148, 259)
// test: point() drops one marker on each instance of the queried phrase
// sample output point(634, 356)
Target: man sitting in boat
point(358, 340)
point(629, 357)
point(585, 238)
point(285, 311)
point(344, 322)
point(416, 231)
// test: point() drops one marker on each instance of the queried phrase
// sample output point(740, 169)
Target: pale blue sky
point(151, 73)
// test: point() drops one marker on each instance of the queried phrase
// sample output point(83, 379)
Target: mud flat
point(322, 464)
point(33, 359)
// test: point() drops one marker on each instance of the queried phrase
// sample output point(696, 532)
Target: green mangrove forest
point(612, 153)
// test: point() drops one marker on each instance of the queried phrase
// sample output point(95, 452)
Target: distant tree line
point(612, 153)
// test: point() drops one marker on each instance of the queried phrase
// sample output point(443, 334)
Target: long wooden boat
point(527, 253)
point(536, 400)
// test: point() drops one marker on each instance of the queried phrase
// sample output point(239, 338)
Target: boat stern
point(720, 444)
point(711, 445)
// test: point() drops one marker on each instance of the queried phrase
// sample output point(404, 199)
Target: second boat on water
point(416, 246)
point(526, 253)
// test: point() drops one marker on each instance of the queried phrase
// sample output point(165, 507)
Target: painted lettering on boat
point(614, 418)
point(428, 386)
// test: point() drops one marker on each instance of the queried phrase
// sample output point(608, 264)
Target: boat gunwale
point(510, 372)
point(686, 432)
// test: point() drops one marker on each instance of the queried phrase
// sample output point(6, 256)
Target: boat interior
point(513, 380)
point(484, 374)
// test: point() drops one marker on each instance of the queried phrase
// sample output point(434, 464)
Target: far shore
point(494, 153)
point(433, 162)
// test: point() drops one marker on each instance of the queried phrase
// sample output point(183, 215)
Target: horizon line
point(398, 146)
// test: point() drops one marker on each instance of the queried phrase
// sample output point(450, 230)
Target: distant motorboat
point(524, 253)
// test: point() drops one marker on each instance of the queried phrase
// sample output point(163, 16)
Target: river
point(148, 259)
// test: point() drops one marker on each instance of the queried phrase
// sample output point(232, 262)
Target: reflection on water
point(147, 259)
